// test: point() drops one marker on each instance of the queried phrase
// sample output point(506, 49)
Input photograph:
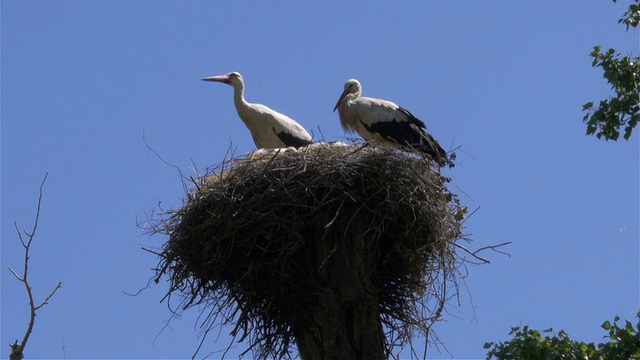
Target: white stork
point(385, 122)
point(269, 128)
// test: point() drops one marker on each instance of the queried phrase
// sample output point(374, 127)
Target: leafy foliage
point(623, 73)
point(632, 17)
point(624, 343)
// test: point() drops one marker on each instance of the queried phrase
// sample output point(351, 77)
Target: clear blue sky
point(504, 80)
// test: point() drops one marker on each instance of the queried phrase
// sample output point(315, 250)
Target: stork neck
point(238, 97)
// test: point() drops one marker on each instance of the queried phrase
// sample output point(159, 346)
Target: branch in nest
point(491, 247)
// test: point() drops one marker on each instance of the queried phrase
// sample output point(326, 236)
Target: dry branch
point(17, 349)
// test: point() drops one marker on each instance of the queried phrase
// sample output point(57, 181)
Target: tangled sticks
point(344, 250)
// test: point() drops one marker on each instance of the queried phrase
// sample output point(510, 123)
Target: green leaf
point(628, 327)
point(587, 106)
point(623, 75)
point(606, 325)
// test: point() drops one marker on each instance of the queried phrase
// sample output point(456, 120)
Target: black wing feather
point(291, 140)
point(413, 118)
point(410, 133)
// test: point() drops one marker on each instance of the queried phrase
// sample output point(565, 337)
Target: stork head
point(233, 78)
point(351, 87)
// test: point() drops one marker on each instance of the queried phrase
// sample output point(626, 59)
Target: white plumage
point(385, 122)
point(269, 128)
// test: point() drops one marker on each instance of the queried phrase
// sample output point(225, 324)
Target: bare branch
point(46, 301)
point(15, 224)
point(17, 349)
point(14, 274)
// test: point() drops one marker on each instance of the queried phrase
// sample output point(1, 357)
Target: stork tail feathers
point(430, 146)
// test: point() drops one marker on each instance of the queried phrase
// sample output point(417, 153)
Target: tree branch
point(17, 349)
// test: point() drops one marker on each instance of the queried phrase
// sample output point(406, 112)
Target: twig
point(491, 247)
point(17, 349)
point(151, 150)
point(64, 349)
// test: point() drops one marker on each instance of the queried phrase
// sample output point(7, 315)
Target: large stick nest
point(244, 244)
